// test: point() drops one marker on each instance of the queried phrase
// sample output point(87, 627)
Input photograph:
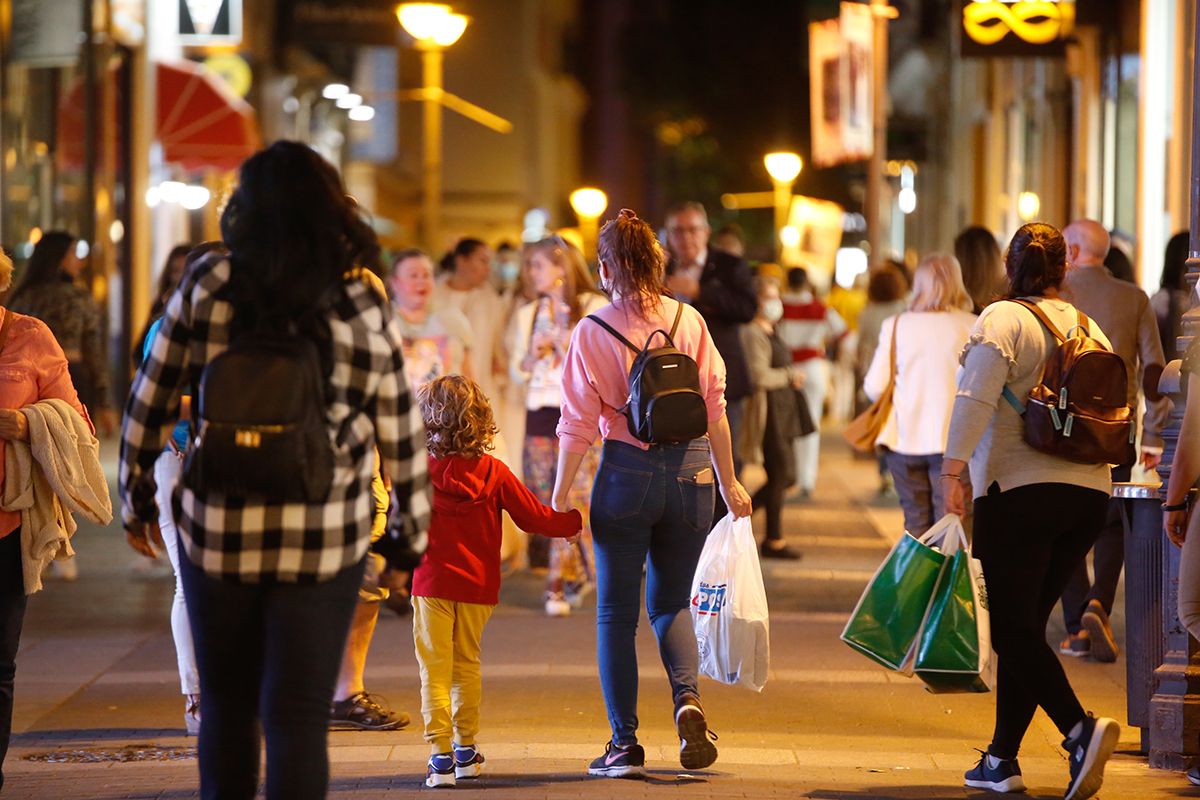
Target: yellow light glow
point(589, 202)
point(1032, 21)
point(1028, 205)
point(35, 235)
point(789, 236)
point(432, 23)
point(782, 167)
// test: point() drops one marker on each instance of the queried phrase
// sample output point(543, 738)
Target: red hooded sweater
point(462, 562)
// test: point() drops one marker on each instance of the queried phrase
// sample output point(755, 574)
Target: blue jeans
point(268, 655)
point(919, 487)
point(647, 502)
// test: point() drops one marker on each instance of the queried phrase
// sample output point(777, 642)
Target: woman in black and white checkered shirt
point(271, 586)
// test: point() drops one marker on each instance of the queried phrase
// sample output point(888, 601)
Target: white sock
point(1078, 729)
point(992, 761)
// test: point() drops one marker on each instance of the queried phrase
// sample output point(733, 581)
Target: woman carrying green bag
point(1036, 516)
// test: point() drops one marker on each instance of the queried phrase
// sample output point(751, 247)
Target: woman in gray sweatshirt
point(1036, 515)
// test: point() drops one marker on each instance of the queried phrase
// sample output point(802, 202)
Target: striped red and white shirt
point(808, 326)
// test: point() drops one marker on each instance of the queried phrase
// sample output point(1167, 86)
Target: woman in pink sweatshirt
point(651, 500)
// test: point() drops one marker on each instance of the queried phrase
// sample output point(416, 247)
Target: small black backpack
point(260, 419)
point(665, 404)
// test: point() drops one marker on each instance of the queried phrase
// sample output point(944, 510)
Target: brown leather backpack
point(1079, 409)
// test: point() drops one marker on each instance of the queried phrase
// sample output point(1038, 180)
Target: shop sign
point(364, 22)
point(208, 22)
point(1016, 27)
point(840, 83)
point(46, 33)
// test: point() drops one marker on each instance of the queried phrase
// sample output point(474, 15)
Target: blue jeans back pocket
point(696, 499)
point(620, 492)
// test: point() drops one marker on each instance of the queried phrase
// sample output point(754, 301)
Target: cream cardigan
point(56, 472)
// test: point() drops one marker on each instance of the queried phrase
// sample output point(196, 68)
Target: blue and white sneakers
point(468, 761)
point(1088, 752)
point(995, 774)
point(440, 771)
point(620, 762)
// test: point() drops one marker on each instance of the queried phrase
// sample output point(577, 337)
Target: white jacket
point(56, 472)
point(927, 352)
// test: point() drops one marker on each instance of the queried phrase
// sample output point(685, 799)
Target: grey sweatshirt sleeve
point(984, 374)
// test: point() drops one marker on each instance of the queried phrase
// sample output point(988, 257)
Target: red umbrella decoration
point(201, 123)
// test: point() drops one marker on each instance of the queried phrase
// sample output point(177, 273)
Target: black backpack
point(665, 404)
point(260, 418)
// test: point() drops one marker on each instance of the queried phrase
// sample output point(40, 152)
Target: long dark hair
point(1175, 262)
point(979, 256)
point(44, 265)
point(1036, 260)
point(464, 248)
point(190, 255)
point(292, 233)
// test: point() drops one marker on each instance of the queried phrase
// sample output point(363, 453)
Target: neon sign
point(1017, 27)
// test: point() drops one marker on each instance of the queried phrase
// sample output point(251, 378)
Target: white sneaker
point(556, 606)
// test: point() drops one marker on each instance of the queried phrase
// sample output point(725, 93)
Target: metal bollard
point(1144, 623)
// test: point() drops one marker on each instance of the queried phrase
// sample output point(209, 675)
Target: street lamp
point(783, 169)
point(434, 26)
point(588, 204)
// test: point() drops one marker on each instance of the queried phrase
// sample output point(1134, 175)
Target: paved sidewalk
point(97, 675)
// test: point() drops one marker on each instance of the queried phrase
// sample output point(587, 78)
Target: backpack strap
point(613, 331)
point(1045, 320)
point(675, 324)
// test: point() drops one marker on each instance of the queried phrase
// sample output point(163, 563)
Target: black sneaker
point(784, 553)
point(439, 773)
point(468, 761)
point(1193, 775)
point(1088, 753)
point(1004, 777)
point(696, 748)
point(620, 762)
point(363, 712)
point(1095, 622)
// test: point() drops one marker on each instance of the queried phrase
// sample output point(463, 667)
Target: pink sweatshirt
point(595, 380)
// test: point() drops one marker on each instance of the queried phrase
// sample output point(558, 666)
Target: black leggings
point(268, 655)
point(1030, 540)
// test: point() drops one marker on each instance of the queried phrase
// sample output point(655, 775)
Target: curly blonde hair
point(458, 418)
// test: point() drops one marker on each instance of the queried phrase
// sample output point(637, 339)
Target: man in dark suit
point(721, 287)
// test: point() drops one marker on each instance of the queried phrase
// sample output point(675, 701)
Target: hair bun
point(627, 213)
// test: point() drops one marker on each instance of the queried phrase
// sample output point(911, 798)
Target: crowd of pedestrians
point(469, 415)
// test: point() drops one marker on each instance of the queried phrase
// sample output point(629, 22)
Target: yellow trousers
point(447, 636)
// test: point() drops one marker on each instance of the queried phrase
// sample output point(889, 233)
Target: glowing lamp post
point(783, 169)
point(434, 27)
point(589, 204)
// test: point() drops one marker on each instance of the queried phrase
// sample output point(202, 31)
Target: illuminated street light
point(434, 26)
point(783, 167)
point(431, 23)
point(906, 200)
point(589, 203)
point(349, 100)
point(1028, 206)
point(361, 113)
point(789, 236)
point(335, 90)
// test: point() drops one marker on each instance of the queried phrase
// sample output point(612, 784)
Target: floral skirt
point(570, 563)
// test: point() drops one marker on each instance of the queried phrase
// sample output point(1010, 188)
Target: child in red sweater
point(457, 585)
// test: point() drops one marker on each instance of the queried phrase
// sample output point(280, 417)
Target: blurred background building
point(123, 121)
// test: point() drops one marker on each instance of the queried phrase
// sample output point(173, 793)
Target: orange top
point(32, 368)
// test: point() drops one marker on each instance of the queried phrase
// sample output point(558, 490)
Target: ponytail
point(1036, 260)
point(634, 260)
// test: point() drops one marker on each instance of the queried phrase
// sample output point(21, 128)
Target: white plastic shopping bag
point(729, 607)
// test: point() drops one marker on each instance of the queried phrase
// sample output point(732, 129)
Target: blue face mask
point(510, 271)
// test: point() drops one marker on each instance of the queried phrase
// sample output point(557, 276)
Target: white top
point(927, 353)
point(544, 383)
point(435, 347)
point(484, 311)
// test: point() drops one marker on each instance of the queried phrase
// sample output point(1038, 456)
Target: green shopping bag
point(955, 649)
point(887, 621)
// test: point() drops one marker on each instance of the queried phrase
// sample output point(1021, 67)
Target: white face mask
point(773, 309)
